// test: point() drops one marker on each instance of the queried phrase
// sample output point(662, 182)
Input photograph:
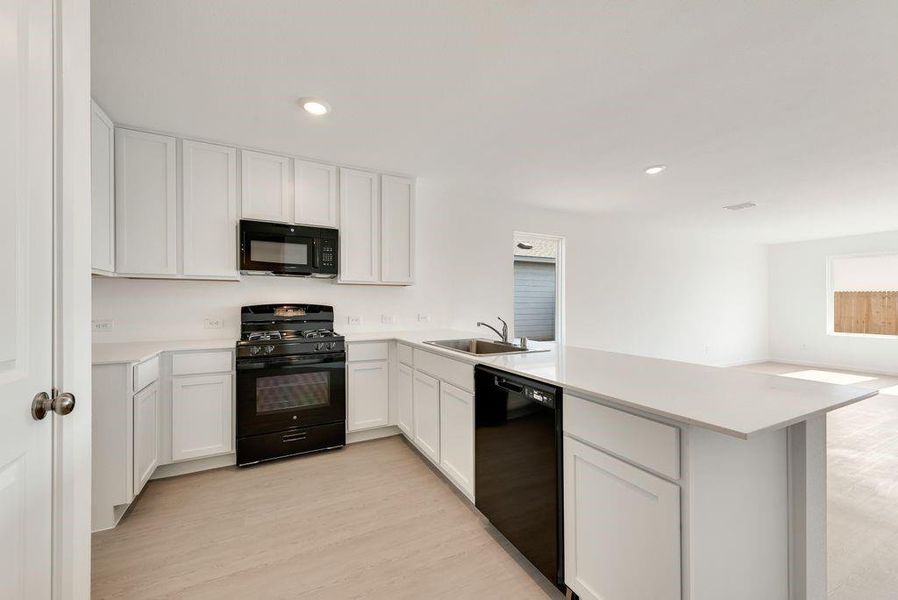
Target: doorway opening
point(538, 286)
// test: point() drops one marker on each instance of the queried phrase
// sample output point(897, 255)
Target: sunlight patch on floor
point(828, 377)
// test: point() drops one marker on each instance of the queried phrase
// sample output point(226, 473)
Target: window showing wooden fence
point(866, 312)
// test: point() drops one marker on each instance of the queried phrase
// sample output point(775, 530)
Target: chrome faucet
point(502, 334)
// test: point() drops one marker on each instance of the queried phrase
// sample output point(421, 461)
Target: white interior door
point(26, 273)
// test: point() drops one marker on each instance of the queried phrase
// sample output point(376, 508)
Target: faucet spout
point(502, 334)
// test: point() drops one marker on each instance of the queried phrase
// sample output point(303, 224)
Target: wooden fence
point(866, 312)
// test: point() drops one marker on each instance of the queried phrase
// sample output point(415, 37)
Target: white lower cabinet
point(426, 409)
point(406, 391)
point(621, 528)
point(201, 413)
point(146, 434)
point(368, 394)
point(457, 435)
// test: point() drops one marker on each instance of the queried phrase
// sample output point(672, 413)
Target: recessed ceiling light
point(655, 169)
point(741, 206)
point(315, 106)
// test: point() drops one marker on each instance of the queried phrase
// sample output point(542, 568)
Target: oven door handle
point(323, 361)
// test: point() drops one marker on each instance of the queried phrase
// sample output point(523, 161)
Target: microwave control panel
point(328, 255)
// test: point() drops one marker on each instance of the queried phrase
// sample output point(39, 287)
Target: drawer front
point(406, 356)
point(146, 373)
point(367, 351)
point(197, 363)
point(459, 374)
point(651, 444)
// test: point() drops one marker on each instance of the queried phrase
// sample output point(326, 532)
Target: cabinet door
point(209, 197)
point(621, 528)
point(406, 401)
point(398, 229)
point(457, 435)
point(146, 435)
point(265, 187)
point(102, 191)
point(427, 415)
point(314, 194)
point(359, 227)
point(369, 394)
point(146, 203)
point(201, 413)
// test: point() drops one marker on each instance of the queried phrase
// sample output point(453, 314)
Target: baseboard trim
point(823, 365)
point(194, 466)
point(372, 434)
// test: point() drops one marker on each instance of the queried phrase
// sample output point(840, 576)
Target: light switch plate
point(424, 317)
point(212, 324)
point(103, 324)
point(354, 320)
point(388, 319)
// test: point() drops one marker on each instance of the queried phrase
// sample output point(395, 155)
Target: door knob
point(62, 404)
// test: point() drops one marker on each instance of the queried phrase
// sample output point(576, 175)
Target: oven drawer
point(256, 448)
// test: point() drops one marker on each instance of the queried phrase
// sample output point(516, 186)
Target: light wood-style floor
point(862, 492)
point(370, 521)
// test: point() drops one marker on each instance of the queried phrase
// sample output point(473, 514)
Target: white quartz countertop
point(728, 400)
point(135, 352)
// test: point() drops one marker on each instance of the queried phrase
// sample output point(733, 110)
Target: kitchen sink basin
point(480, 347)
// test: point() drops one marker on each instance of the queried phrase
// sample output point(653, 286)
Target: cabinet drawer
point(367, 351)
point(651, 444)
point(459, 374)
point(406, 356)
point(146, 373)
point(195, 363)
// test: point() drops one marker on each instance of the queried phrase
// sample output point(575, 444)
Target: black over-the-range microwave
point(279, 249)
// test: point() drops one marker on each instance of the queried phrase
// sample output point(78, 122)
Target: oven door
point(274, 249)
point(280, 394)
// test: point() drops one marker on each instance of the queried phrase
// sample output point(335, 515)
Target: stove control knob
point(319, 346)
point(254, 350)
point(331, 345)
point(269, 349)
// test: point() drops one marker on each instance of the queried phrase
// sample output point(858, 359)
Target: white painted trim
point(839, 367)
point(560, 260)
point(194, 466)
point(71, 542)
point(372, 434)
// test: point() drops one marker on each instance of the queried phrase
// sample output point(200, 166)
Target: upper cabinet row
point(169, 208)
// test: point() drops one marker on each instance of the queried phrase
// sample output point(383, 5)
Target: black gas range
point(291, 382)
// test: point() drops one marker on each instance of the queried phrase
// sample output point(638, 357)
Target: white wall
point(628, 289)
point(798, 306)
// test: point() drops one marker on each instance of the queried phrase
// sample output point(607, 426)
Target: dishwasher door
point(517, 460)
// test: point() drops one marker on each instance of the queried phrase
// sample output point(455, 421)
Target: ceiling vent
point(742, 206)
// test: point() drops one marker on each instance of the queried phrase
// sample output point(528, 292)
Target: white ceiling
point(559, 104)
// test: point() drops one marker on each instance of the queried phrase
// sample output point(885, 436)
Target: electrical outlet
point(423, 317)
point(103, 324)
point(354, 320)
point(212, 323)
point(388, 319)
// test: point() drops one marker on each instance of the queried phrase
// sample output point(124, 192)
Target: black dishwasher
point(517, 460)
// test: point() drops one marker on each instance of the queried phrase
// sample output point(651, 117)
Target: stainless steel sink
point(480, 347)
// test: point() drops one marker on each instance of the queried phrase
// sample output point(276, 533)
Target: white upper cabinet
point(265, 187)
point(146, 203)
point(102, 190)
point(359, 227)
point(398, 229)
point(209, 196)
point(314, 194)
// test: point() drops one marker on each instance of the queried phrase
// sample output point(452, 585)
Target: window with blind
point(865, 294)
